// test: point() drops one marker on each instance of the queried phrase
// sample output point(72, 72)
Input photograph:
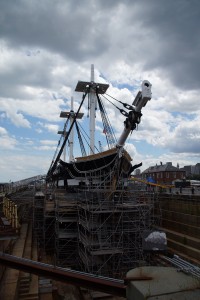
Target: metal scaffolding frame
point(98, 228)
point(111, 223)
point(38, 217)
point(66, 235)
point(44, 222)
point(100, 233)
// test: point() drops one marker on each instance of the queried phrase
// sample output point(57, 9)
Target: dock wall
point(181, 222)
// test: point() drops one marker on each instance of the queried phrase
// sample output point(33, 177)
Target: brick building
point(163, 173)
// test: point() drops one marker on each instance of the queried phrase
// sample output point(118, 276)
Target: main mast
point(71, 137)
point(92, 105)
point(92, 88)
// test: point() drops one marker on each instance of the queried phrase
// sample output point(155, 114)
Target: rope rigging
point(85, 134)
point(59, 141)
point(97, 168)
point(54, 164)
point(130, 116)
point(80, 140)
point(107, 129)
point(83, 131)
point(126, 105)
point(123, 112)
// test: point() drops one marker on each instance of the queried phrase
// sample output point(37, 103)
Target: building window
point(161, 175)
point(167, 174)
point(174, 174)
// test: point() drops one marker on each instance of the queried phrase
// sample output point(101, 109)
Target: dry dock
point(180, 219)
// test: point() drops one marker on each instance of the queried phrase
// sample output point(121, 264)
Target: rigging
point(106, 126)
point(54, 165)
point(83, 131)
point(80, 140)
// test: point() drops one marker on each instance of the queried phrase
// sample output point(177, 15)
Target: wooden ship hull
point(95, 169)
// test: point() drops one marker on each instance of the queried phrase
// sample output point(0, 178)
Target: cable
point(80, 140)
point(107, 127)
point(53, 167)
point(123, 112)
point(87, 137)
point(126, 105)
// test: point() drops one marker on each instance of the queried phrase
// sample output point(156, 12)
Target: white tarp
point(157, 237)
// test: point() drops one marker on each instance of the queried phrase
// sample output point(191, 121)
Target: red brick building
point(163, 173)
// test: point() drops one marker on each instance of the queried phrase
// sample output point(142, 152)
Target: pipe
point(90, 281)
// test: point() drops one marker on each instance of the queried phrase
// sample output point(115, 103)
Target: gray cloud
point(176, 25)
point(23, 73)
point(160, 34)
point(60, 26)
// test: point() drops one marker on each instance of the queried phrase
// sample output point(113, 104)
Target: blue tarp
point(150, 179)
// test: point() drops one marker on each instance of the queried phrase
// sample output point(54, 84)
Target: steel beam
point(92, 282)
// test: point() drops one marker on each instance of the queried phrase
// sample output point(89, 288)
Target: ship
point(93, 221)
point(113, 163)
point(101, 228)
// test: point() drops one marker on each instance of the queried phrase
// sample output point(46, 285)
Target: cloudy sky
point(47, 46)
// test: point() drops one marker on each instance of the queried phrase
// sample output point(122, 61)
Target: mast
point(71, 137)
point(93, 100)
point(71, 115)
point(64, 151)
point(92, 88)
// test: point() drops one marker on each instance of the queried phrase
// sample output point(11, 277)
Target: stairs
point(24, 289)
point(28, 283)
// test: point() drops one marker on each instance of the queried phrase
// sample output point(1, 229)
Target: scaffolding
point(112, 220)
point(66, 236)
point(44, 222)
point(100, 233)
point(38, 217)
point(111, 230)
point(99, 227)
point(49, 223)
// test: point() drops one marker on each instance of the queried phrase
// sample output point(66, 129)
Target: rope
point(87, 137)
point(123, 112)
point(94, 170)
point(130, 107)
point(53, 167)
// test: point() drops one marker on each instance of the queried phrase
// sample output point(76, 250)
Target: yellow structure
point(151, 183)
point(10, 211)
